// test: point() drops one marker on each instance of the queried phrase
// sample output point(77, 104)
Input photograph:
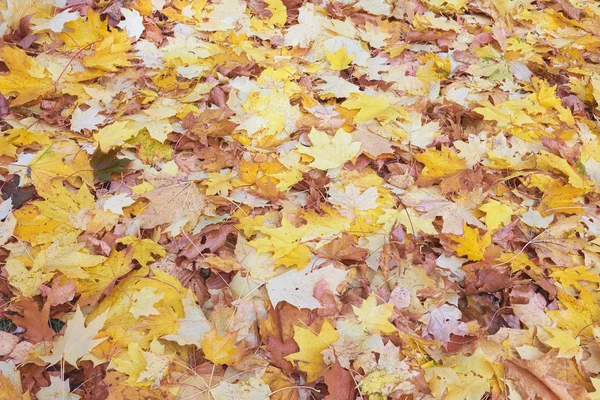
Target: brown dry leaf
point(371, 144)
point(559, 243)
point(179, 204)
point(340, 383)
point(531, 380)
point(282, 387)
point(35, 321)
point(119, 390)
point(7, 343)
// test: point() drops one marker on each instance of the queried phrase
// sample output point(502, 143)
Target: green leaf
point(105, 164)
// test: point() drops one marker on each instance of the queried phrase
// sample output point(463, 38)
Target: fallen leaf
point(77, 340)
point(309, 358)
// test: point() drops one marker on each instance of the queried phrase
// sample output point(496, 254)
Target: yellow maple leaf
point(284, 243)
point(26, 280)
point(144, 301)
point(373, 107)
point(330, 152)
point(461, 377)
point(115, 134)
point(440, 163)
point(279, 12)
point(145, 368)
point(374, 317)
point(63, 160)
point(53, 219)
point(505, 114)
point(563, 340)
point(144, 250)
point(471, 244)
point(219, 183)
point(110, 54)
point(27, 78)
point(547, 98)
point(550, 162)
point(83, 31)
point(131, 362)
point(496, 214)
point(576, 314)
point(340, 60)
point(99, 277)
point(219, 349)
point(325, 226)
point(574, 276)
point(309, 358)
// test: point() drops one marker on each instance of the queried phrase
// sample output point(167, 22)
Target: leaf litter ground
point(280, 199)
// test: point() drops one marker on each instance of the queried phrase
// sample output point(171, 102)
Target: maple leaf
point(340, 60)
point(144, 250)
point(309, 359)
point(88, 119)
point(550, 162)
point(35, 321)
point(58, 389)
point(285, 244)
point(143, 302)
point(330, 153)
point(132, 23)
point(420, 135)
point(374, 317)
point(105, 164)
point(116, 203)
point(373, 107)
point(219, 349)
point(27, 78)
point(563, 340)
point(443, 321)
point(145, 368)
point(193, 326)
point(471, 244)
point(115, 134)
point(61, 160)
point(497, 214)
point(26, 280)
point(297, 287)
point(184, 200)
point(440, 163)
point(77, 340)
point(461, 377)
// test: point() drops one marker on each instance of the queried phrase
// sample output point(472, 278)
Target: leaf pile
point(226, 199)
